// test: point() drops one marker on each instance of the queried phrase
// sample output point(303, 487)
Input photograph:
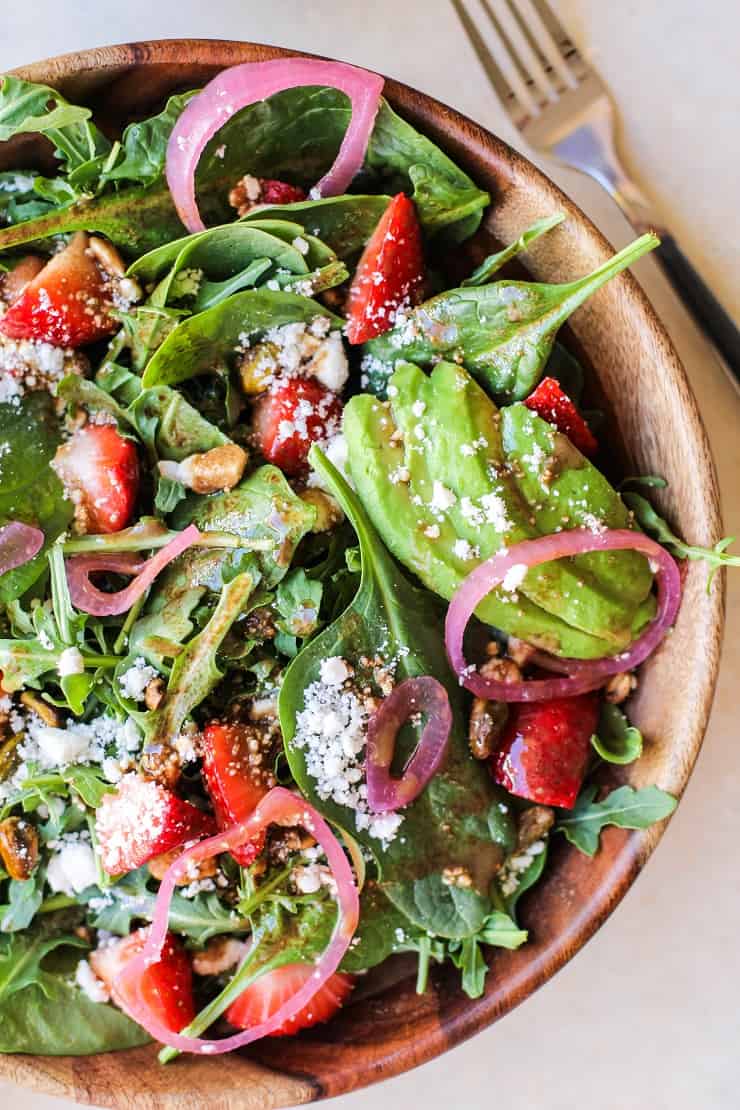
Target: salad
point(319, 605)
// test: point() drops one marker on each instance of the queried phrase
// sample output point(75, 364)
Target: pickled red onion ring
point(242, 85)
point(89, 599)
point(279, 807)
point(18, 544)
point(581, 675)
point(416, 695)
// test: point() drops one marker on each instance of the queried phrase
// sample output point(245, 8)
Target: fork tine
point(537, 27)
point(498, 62)
point(521, 45)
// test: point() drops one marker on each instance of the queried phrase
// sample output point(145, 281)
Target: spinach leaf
point(200, 342)
point(391, 618)
point(76, 390)
point(344, 223)
point(19, 199)
point(616, 741)
point(43, 1013)
point(24, 898)
point(489, 467)
point(625, 807)
point(27, 108)
point(494, 262)
point(170, 427)
point(654, 524)
point(298, 600)
point(144, 145)
point(502, 333)
point(29, 489)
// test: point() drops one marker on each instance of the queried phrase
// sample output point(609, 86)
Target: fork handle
point(709, 314)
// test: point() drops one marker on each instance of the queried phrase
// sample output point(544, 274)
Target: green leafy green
point(392, 618)
point(24, 898)
point(43, 1013)
point(200, 342)
point(506, 476)
point(143, 146)
point(170, 427)
point(29, 489)
point(494, 262)
point(344, 223)
point(28, 108)
point(625, 807)
point(502, 333)
point(298, 601)
point(617, 741)
point(654, 524)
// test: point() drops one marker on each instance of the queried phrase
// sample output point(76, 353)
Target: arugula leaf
point(24, 898)
point(43, 1013)
point(169, 495)
point(87, 780)
point(617, 741)
point(29, 108)
point(494, 262)
point(392, 618)
point(29, 489)
point(167, 623)
point(144, 145)
point(19, 199)
point(502, 333)
point(170, 427)
point(654, 524)
point(625, 807)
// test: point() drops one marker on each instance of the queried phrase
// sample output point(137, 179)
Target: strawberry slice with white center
point(268, 993)
point(166, 986)
point(293, 414)
point(67, 304)
point(390, 274)
point(142, 820)
point(99, 468)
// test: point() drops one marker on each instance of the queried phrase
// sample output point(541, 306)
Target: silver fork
point(562, 108)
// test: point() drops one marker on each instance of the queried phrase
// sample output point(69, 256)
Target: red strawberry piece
point(556, 407)
point(292, 415)
point(142, 820)
point(67, 304)
point(545, 749)
point(166, 986)
point(390, 274)
point(265, 996)
point(279, 192)
point(99, 469)
point(235, 783)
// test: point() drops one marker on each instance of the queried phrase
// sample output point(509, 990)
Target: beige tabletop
point(646, 1016)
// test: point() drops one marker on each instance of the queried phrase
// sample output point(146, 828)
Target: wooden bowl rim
point(38, 1072)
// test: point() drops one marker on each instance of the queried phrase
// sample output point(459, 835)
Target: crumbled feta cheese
point(88, 982)
point(329, 365)
point(494, 507)
point(72, 868)
point(61, 746)
point(418, 408)
point(135, 680)
point(334, 671)
point(70, 662)
point(514, 577)
point(432, 531)
point(301, 244)
point(463, 550)
point(442, 498)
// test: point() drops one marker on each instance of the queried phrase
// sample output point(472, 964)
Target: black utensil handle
point(709, 314)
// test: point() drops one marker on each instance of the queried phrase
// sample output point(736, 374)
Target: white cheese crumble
point(70, 662)
point(432, 531)
point(88, 982)
point(514, 577)
point(334, 671)
point(463, 550)
point(442, 498)
point(72, 868)
point(135, 680)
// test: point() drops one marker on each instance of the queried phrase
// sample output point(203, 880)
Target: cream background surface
point(646, 1016)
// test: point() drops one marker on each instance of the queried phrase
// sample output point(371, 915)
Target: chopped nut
point(501, 670)
point(48, 714)
point(203, 869)
point(520, 651)
point(619, 687)
point(257, 367)
point(154, 693)
point(209, 472)
point(534, 824)
point(493, 648)
point(259, 624)
point(246, 194)
point(219, 954)
point(457, 876)
point(328, 512)
point(19, 847)
point(283, 843)
point(15, 281)
point(162, 764)
point(107, 257)
point(487, 721)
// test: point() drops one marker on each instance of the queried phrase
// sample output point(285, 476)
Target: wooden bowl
point(654, 414)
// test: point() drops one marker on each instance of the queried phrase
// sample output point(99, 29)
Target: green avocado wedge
point(448, 479)
point(503, 333)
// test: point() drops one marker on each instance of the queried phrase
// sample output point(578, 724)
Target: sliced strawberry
point(16, 280)
point(292, 415)
point(66, 304)
point(279, 192)
point(390, 274)
point(260, 1000)
point(556, 407)
point(100, 471)
point(235, 783)
point(545, 748)
point(166, 986)
point(143, 819)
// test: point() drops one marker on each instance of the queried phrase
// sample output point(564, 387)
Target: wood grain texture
point(658, 429)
